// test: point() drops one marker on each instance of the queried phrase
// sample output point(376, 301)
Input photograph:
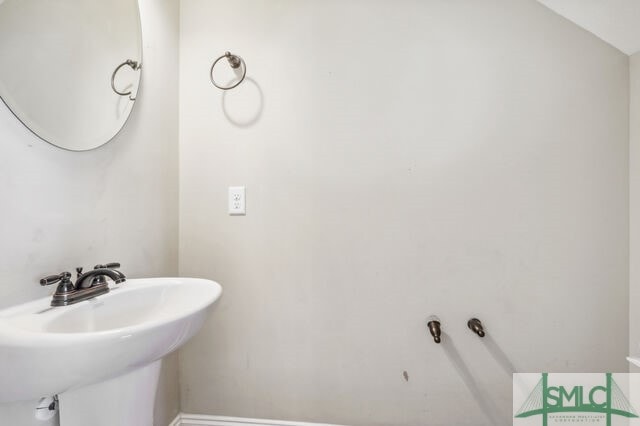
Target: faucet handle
point(52, 279)
point(112, 265)
point(64, 278)
point(78, 271)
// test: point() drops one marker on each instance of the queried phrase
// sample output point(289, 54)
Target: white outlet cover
point(237, 201)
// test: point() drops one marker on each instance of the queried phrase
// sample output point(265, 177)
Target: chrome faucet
point(88, 285)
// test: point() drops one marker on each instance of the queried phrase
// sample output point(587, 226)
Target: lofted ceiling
point(615, 21)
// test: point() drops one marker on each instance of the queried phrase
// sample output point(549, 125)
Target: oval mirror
point(62, 63)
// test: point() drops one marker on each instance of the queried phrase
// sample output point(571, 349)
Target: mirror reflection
point(70, 69)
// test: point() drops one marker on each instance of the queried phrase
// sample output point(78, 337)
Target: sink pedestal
point(126, 400)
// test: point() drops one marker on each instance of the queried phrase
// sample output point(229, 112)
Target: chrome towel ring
point(235, 62)
point(133, 64)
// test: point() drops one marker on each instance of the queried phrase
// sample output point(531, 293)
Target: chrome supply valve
point(433, 323)
point(475, 325)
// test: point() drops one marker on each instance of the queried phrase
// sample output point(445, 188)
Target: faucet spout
point(86, 280)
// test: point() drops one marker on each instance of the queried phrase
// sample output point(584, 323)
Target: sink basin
point(46, 351)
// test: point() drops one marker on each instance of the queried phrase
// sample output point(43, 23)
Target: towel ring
point(133, 64)
point(235, 62)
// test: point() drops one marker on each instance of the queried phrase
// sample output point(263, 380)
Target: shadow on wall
point(243, 105)
point(498, 354)
point(503, 361)
point(481, 396)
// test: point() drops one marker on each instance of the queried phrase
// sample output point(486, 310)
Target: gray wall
point(411, 158)
point(634, 199)
point(63, 209)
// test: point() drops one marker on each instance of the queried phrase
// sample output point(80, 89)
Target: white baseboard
point(203, 420)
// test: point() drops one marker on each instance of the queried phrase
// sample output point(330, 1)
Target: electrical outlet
point(237, 201)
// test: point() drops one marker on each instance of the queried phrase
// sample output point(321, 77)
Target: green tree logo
point(608, 399)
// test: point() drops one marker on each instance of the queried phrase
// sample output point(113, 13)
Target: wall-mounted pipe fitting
point(433, 323)
point(475, 325)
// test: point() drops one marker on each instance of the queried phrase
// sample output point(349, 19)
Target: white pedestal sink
point(101, 356)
